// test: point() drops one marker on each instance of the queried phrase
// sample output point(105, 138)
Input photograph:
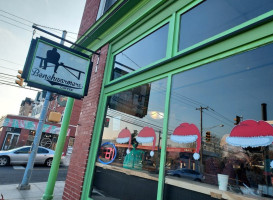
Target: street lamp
point(219, 125)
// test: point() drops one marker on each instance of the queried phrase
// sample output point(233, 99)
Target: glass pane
point(42, 151)
point(108, 4)
point(146, 51)
point(217, 101)
point(214, 16)
point(7, 142)
point(131, 143)
point(14, 141)
point(23, 150)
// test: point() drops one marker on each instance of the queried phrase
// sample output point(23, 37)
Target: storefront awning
point(30, 125)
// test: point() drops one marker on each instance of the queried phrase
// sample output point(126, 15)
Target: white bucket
point(222, 181)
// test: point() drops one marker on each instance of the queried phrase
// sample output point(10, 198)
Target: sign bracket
point(36, 27)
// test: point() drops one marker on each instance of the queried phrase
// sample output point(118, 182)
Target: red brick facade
point(89, 15)
point(78, 162)
point(2, 136)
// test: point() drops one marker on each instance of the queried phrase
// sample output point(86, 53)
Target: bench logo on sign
point(52, 60)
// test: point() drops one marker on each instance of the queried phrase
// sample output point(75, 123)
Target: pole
point(48, 195)
point(201, 133)
point(28, 171)
point(266, 152)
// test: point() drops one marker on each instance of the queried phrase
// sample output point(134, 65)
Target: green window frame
point(220, 36)
point(244, 37)
point(168, 21)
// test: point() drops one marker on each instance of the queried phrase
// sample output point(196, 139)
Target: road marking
point(18, 167)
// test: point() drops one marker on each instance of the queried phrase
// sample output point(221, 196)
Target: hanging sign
point(54, 67)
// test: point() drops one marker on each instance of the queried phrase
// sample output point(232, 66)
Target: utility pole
point(28, 171)
point(201, 133)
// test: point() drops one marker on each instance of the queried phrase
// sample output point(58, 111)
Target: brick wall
point(89, 15)
point(2, 136)
point(23, 137)
point(76, 112)
point(79, 157)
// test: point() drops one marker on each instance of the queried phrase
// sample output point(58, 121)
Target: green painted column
point(48, 195)
point(161, 177)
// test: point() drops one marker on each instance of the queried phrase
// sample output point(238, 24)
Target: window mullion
point(161, 178)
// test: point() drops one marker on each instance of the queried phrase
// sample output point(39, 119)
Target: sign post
point(28, 171)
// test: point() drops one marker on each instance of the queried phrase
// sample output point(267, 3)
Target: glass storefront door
point(10, 141)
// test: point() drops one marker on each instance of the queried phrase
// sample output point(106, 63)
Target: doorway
point(10, 141)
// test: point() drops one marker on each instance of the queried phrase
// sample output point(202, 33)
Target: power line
point(19, 87)
point(15, 20)
point(8, 68)
point(15, 25)
point(15, 16)
point(57, 29)
point(8, 74)
point(10, 61)
point(31, 25)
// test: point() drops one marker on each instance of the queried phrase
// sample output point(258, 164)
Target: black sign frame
point(29, 61)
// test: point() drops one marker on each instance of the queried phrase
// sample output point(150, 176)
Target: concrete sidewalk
point(36, 191)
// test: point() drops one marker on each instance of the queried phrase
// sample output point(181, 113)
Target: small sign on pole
point(54, 67)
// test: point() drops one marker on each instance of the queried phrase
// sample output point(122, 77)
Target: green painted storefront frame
point(244, 37)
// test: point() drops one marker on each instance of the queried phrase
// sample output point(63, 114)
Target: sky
point(16, 32)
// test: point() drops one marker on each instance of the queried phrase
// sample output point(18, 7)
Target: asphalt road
point(14, 174)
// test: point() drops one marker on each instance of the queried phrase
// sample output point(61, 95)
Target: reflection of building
point(26, 107)
point(133, 102)
point(192, 53)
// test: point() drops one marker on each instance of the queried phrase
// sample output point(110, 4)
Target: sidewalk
point(36, 191)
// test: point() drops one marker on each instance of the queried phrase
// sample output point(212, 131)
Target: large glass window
point(146, 51)
point(213, 16)
point(129, 156)
point(223, 99)
point(104, 7)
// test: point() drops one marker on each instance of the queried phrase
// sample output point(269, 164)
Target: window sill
point(203, 188)
point(207, 189)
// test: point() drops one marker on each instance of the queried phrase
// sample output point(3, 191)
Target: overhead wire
point(48, 27)
point(19, 86)
point(10, 62)
point(8, 68)
point(15, 25)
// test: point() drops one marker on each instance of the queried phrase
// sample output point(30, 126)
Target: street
point(14, 174)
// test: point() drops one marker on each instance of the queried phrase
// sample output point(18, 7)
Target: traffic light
point(237, 120)
point(106, 122)
point(20, 80)
point(208, 136)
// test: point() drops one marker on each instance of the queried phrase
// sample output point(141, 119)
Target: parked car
point(187, 173)
point(20, 156)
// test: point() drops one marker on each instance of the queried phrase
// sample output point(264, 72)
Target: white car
point(20, 156)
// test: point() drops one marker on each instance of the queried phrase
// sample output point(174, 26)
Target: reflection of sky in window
point(234, 86)
point(144, 52)
point(214, 16)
